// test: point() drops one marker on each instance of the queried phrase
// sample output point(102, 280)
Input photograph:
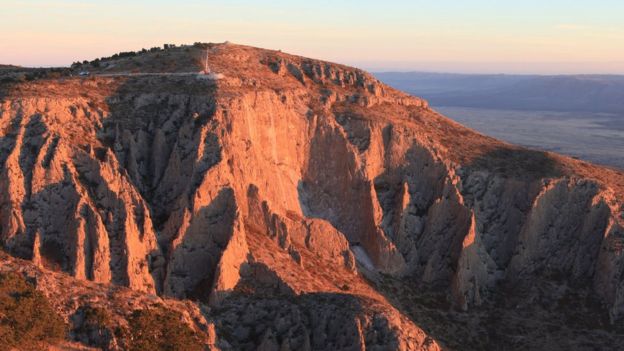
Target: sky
point(466, 36)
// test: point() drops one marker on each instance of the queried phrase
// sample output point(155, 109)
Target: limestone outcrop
point(283, 193)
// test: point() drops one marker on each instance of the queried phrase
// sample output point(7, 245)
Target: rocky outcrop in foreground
point(283, 196)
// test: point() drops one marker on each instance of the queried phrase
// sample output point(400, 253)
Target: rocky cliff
point(285, 195)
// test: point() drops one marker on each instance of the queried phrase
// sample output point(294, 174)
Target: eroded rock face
point(264, 181)
point(316, 322)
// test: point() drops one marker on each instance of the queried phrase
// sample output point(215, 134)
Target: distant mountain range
point(591, 93)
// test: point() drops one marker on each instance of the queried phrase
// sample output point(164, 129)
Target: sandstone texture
point(296, 204)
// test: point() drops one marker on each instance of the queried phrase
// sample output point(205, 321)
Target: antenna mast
point(206, 68)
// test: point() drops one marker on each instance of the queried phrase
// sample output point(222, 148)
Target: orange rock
point(261, 183)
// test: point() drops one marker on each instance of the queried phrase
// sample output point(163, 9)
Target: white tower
point(207, 73)
point(206, 68)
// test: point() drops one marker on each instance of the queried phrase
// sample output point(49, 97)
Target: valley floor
point(594, 137)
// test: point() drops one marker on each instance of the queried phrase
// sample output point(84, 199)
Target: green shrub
point(27, 319)
point(93, 326)
point(160, 329)
point(96, 316)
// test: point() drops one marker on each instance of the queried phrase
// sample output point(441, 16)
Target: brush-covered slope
point(289, 193)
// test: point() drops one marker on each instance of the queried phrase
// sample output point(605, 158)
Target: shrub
point(93, 326)
point(27, 319)
point(160, 329)
point(127, 54)
point(6, 80)
point(95, 316)
point(54, 75)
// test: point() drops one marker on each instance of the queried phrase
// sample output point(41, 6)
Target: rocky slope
point(288, 193)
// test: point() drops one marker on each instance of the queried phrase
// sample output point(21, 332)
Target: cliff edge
point(305, 204)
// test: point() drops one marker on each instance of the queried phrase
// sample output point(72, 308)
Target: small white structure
point(206, 69)
point(206, 73)
point(83, 73)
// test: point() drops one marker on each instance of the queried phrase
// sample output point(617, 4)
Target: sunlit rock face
point(291, 179)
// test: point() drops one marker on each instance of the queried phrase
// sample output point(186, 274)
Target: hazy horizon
point(478, 68)
point(482, 36)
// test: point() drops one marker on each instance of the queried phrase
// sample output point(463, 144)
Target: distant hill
point(591, 93)
point(8, 67)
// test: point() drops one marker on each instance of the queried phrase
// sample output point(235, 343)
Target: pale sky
point(505, 36)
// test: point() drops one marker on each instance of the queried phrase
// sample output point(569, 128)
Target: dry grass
point(27, 319)
point(159, 329)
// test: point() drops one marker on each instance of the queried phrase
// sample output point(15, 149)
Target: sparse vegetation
point(19, 75)
point(27, 319)
point(128, 60)
point(93, 326)
point(160, 329)
point(95, 316)
point(125, 54)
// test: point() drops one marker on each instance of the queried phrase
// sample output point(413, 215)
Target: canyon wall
point(293, 177)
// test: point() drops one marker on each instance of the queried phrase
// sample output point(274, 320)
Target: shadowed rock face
point(248, 193)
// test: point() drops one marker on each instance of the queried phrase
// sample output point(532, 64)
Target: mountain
point(8, 67)
point(587, 93)
point(286, 203)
